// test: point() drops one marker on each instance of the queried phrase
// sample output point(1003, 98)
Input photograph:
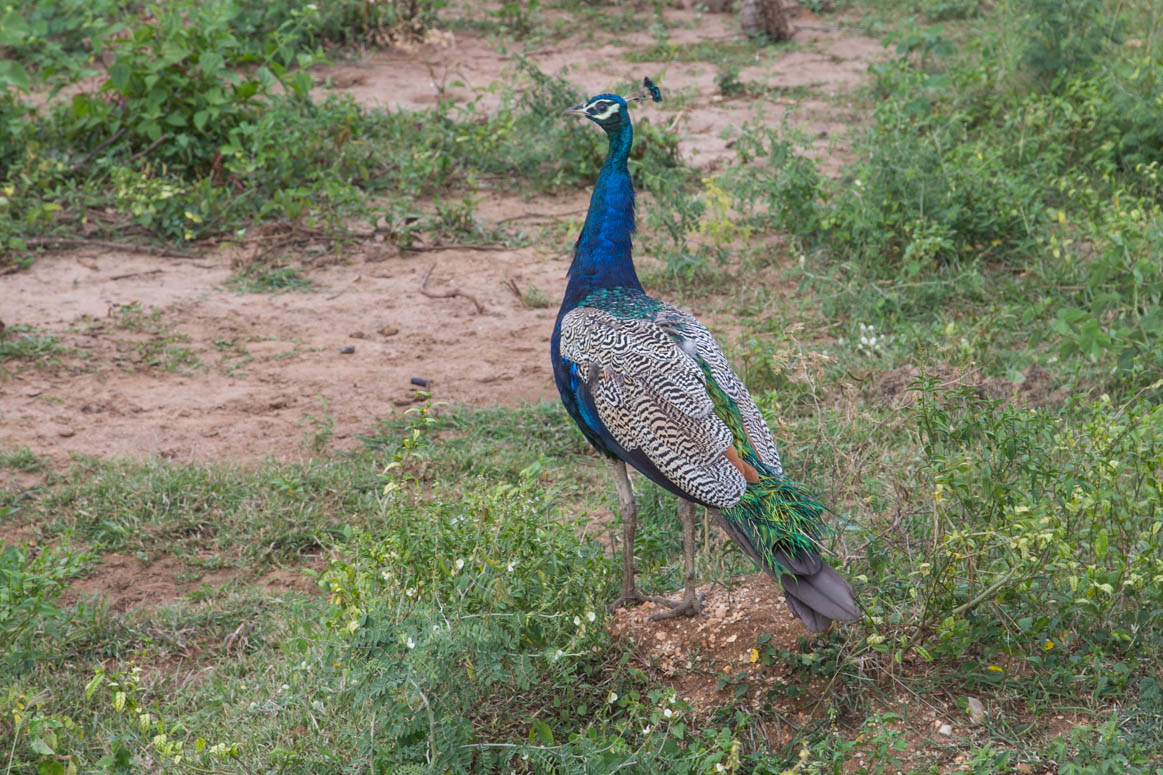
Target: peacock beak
point(576, 110)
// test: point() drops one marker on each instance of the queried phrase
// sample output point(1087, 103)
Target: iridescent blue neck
point(603, 255)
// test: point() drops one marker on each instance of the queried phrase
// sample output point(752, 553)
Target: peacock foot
point(690, 605)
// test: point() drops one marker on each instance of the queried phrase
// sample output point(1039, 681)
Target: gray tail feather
point(814, 591)
point(820, 597)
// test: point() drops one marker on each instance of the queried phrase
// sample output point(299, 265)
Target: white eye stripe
point(600, 111)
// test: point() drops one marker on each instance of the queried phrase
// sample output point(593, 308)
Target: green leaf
point(12, 75)
point(200, 119)
point(41, 747)
point(13, 29)
point(543, 732)
point(211, 62)
point(302, 83)
point(119, 76)
point(50, 767)
point(94, 685)
point(1101, 543)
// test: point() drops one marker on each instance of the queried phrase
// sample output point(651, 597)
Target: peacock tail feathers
point(774, 512)
point(779, 518)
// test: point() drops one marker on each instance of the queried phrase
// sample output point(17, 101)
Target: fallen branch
point(135, 274)
point(77, 167)
point(824, 28)
point(149, 149)
point(436, 248)
point(539, 215)
point(511, 284)
point(447, 294)
point(69, 242)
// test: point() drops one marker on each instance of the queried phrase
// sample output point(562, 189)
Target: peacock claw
point(688, 606)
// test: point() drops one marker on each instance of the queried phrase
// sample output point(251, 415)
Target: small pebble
point(975, 709)
point(420, 381)
point(389, 331)
point(946, 730)
point(347, 350)
point(66, 433)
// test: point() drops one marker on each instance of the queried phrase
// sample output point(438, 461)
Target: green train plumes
point(776, 514)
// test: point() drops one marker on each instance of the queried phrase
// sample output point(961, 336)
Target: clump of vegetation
point(208, 122)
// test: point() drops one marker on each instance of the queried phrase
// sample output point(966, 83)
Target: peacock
point(648, 385)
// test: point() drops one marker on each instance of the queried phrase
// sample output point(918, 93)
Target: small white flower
point(410, 592)
point(590, 616)
point(285, 688)
point(647, 729)
point(512, 564)
point(612, 698)
point(386, 575)
point(411, 643)
point(459, 564)
point(576, 622)
point(318, 706)
point(436, 628)
point(719, 767)
point(558, 655)
point(668, 713)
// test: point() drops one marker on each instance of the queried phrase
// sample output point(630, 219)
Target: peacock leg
point(691, 604)
point(630, 593)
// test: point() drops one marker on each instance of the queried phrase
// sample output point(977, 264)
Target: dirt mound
point(716, 658)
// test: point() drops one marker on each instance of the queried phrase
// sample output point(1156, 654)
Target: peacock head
point(609, 111)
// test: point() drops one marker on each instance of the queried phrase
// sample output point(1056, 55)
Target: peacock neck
point(603, 257)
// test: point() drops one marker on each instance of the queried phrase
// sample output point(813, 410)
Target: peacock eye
point(603, 109)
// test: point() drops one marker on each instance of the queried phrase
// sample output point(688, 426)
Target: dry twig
point(148, 149)
point(77, 167)
point(69, 242)
point(449, 293)
point(436, 248)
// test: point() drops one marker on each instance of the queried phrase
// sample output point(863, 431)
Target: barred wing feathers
point(651, 396)
point(696, 335)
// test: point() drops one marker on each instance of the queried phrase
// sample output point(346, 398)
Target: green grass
point(727, 53)
point(23, 343)
point(269, 279)
point(455, 572)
